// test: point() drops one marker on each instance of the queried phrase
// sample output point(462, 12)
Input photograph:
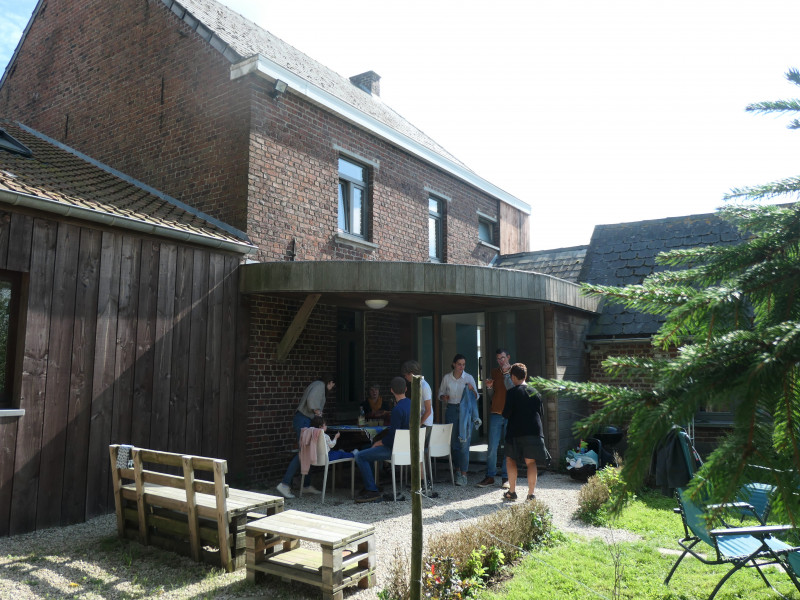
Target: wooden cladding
point(127, 340)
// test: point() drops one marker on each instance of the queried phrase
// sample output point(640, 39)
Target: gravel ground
point(87, 561)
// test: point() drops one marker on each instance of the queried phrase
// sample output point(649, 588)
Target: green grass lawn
point(588, 569)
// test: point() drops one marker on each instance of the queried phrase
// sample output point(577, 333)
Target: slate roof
point(624, 254)
point(63, 181)
point(238, 38)
point(564, 263)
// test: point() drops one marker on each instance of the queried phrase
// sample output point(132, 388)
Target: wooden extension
point(166, 504)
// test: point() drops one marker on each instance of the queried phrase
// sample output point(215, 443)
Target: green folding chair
point(752, 547)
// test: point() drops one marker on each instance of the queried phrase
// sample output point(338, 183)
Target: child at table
point(301, 461)
point(319, 423)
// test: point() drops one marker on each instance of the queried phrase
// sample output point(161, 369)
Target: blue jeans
point(497, 433)
point(364, 461)
point(298, 422)
point(459, 450)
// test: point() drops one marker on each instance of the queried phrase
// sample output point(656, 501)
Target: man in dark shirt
point(525, 435)
point(382, 449)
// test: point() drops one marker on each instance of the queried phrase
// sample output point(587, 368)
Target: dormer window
point(11, 144)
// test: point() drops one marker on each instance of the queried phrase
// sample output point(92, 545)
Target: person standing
point(525, 434)
point(312, 402)
point(382, 449)
point(496, 391)
point(408, 370)
point(450, 391)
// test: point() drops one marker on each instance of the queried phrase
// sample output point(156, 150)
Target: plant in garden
point(732, 313)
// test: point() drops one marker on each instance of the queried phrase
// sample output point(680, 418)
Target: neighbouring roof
point(624, 254)
point(564, 263)
point(63, 181)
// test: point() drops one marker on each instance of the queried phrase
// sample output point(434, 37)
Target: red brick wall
point(275, 388)
point(294, 186)
point(129, 84)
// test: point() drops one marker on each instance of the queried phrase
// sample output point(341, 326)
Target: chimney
point(370, 82)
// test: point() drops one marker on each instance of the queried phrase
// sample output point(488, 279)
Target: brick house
point(344, 200)
point(624, 254)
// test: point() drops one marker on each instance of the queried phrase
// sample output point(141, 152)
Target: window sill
point(488, 245)
point(354, 240)
point(12, 412)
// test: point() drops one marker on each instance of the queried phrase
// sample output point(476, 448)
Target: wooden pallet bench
point(346, 556)
point(160, 500)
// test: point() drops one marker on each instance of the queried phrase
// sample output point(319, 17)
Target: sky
point(590, 111)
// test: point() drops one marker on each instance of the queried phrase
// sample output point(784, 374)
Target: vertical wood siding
point(126, 340)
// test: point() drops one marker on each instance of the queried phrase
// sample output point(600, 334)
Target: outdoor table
point(355, 436)
point(346, 555)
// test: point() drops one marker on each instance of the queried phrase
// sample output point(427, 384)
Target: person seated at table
point(303, 459)
point(382, 449)
point(374, 406)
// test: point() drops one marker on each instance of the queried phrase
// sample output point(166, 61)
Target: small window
point(9, 311)
point(435, 229)
point(486, 231)
point(352, 198)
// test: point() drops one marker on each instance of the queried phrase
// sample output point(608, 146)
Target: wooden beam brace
point(296, 328)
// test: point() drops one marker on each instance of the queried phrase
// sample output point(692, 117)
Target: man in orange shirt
point(496, 391)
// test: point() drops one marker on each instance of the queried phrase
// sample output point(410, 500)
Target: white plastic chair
point(401, 456)
point(324, 461)
point(439, 445)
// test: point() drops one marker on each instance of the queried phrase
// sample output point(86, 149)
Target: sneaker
point(284, 490)
point(311, 490)
point(461, 479)
point(368, 496)
point(486, 482)
point(531, 496)
point(504, 484)
point(510, 496)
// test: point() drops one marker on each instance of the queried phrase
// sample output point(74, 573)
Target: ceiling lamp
point(376, 303)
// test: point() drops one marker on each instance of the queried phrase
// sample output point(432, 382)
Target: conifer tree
point(733, 314)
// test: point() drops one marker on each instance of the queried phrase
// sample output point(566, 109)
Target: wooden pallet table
point(346, 555)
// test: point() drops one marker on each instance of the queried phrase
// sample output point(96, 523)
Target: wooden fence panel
point(19, 253)
point(180, 351)
point(125, 350)
point(59, 366)
point(197, 353)
point(231, 426)
point(103, 382)
point(34, 365)
point(8, 448)
point(143, 380)
point(165, 311)
point(216, 297)
point(81, 377)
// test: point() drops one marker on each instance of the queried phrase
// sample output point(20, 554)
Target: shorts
point(528, 447)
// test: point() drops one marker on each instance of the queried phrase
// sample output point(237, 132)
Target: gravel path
point(87, 561)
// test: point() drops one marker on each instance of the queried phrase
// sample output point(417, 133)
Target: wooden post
point(416, 497)
point(296, 328)
point(223, 519)
point(191, 507)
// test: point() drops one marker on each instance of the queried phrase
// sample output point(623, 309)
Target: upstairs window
point(435, 229)
point(352, 198)
point(486, 230)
